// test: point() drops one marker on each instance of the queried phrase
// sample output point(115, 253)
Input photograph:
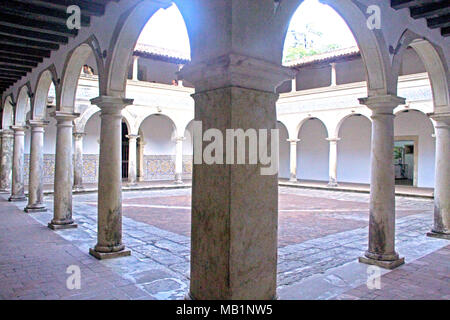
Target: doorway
point(405, 161)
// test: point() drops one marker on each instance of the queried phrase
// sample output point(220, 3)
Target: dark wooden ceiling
point(437, 12)
point(31, 29)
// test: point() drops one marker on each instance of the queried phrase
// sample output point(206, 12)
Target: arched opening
point(414, 151)
point(7, 114)
point(304, 39)
point(284, 149)
point(141, 31)
point(353, 164)
point(158, 134)
point(313, 151)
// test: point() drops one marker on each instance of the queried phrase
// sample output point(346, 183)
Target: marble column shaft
point(17, 188)
point(78, 160)
point(6, 160)
point(381, 249)
point(132, 160)
point(293, 159)
point(36, 184)
point(234, 207)
point(441, 226)
point(62, 200)
point(109, 236)
point(333, 162)
point(179, 160)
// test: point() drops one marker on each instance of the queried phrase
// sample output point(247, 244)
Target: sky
point(167, 29)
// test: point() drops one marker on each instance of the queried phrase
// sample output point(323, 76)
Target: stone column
point(135, 68)
point(333, 74)
point(294, 84)
point(78, 161)
point(381, 251)
point(62, 199)
point(179, 160)
point(6, 160)
point(234, 206)
point(36, 184)
point(17, 189)
point(293, 157)
point(109, 241)
point(132, 160)
point(441, 228)
point(333, 162)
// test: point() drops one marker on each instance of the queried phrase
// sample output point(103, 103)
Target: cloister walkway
point(321, 233)
point(400, 190)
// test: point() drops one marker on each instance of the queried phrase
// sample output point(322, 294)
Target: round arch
point(8, 113)
point(126, 35)
point(303, 121)
point(345, 117)
point(72, 70)
point(371, 43)
point(432, 57)
point(39, 101)
point(23, 105)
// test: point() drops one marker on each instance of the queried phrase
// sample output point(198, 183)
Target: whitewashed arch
point(8, 113)
point(39, 101)
point(366, 113)
point(22, 106)
point(142, 119)
point(371, 43)
point(72, 70)
point(432, 57)
point(126, 34)
point(305, 119)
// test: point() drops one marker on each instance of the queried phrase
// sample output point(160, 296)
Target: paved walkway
point(321, 235)
point(400, 190)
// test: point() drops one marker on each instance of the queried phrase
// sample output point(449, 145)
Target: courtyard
point(321, 234)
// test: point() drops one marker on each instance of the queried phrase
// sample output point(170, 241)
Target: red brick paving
point(34, 260)
point(427, 278)
point(294, 227)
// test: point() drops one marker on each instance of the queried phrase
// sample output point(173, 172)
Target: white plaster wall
point(312, 152)
point(92, 137)
point(158, 135)
point(353, 163)
point(284, 170)
point(414, 123)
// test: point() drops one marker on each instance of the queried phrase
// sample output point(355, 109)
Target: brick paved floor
point(321, 235)
point(427, 278)
point(34, 261)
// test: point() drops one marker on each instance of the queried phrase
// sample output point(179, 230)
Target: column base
point(332, 185)
point(17, 198)
point(109, 255)
point(62, 226)
point(178, 182)
point(385, 264)
point(131, 184)
point(439, 235)
point(78, 188)
point(35, 209)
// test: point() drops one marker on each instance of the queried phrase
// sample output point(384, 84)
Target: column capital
point(235, 70)
point(6, 133)
point(111, 105)
point(37, 123)
point(179, 139)
point(78, 135)
point(333, 139)
point(18, 129)
point(440, 117)
point(293, 140)
point(382, 104)
point(64, 116)
point(132, 136)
